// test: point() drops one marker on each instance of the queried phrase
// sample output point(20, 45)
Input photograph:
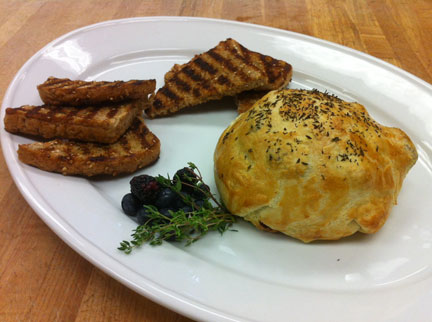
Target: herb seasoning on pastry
point(311, 166)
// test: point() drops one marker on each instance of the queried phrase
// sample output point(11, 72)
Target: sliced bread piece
point(137, 148)
point(225, 70)
point(103, 124)
point(63, 91)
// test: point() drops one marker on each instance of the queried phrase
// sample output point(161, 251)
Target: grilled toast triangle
point(137, 148)
point(63, 91)
point(246, 100)
point(225, 70)
point(102, 124)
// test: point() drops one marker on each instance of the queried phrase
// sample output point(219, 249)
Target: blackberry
point(145, 188)
point(201, 192)
point(188, 176)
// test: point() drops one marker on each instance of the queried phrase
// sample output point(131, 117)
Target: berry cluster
point(184, 192)
point(181, 209)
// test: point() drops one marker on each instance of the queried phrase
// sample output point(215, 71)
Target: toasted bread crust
point(63, 91)
point(103, 124)
point(225, 70)
point(246, 100)
point(137, 148)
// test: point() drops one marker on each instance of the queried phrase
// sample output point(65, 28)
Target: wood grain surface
point(41, 278)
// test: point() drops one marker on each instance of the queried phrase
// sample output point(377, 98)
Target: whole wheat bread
point(63, 91)
point(137, 148)
point(225, 70)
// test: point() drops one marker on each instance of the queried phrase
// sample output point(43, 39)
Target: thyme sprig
point(182, 226)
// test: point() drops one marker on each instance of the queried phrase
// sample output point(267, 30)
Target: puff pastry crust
point(312, 166)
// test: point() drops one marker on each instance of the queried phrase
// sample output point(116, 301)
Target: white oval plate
point(244, 275)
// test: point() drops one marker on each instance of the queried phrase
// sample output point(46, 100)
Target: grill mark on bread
point(34, 111)
point(188, 71)
point(182, 85)
point(51, 114)
point(235, 53)
point(243, 60)
point(225, 70)
point(99, 158)
point(157, 103)
point(112, 113)
point(196, 92)
point(123, 141)
point(92, 113)
point(203, 65)
point(225, 62)
point(83, 147)
point(66, 92)
point(69, 116)
point(221, 63)
point(192, 75)
point(125, 144)
point(268, 68)
point(222, 80)
point(245, 54)
point(169, 94)
point(229, 65)
point(87, 114)
point(144, 140)
point(104, 124)
point(135, 149)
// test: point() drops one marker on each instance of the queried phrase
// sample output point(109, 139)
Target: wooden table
point(41, 278)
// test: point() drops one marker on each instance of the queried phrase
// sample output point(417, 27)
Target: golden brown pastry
point(311, 166)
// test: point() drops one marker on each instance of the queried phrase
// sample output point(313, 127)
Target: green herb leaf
point(181, 226)
point(192, 166)
point(177, 186)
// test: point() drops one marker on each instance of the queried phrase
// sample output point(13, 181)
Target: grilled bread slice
point(63, 91)
point(246, 100)
point(225, 70)
point(137, 148)
point(104, 124)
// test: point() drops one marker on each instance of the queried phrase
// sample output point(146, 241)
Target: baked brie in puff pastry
point(312, 166)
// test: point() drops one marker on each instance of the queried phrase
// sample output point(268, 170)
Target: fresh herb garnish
point(202, 213)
